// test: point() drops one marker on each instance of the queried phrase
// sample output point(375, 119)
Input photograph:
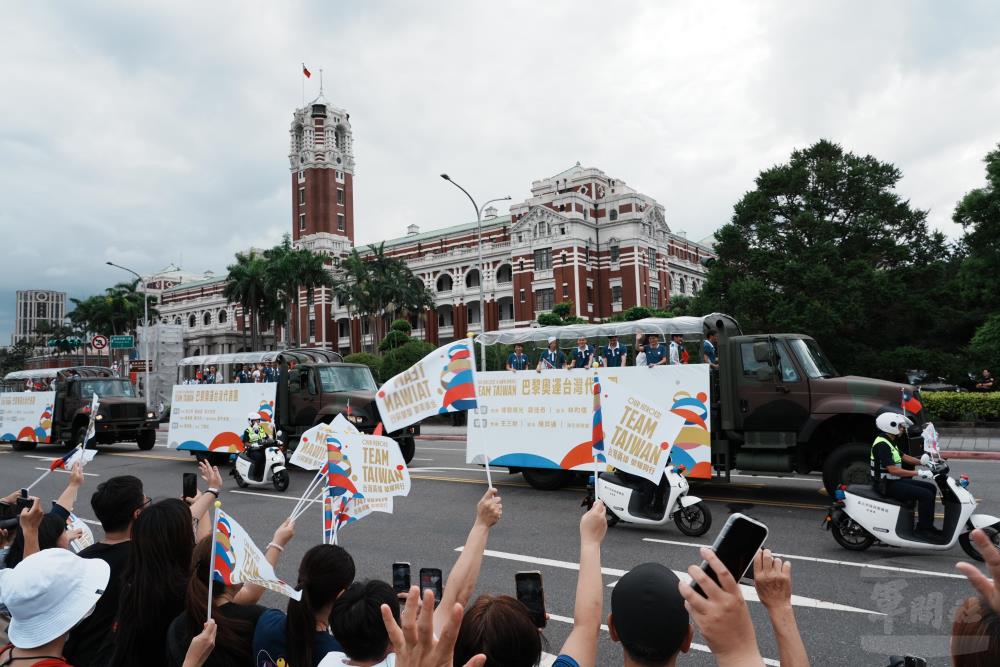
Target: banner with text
point(214, 417)
point(26, 416)
point(310, 453)
point(545, 420)
point(237, 560)
point(443, 381)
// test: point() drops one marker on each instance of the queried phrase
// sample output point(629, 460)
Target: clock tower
point(321, 159)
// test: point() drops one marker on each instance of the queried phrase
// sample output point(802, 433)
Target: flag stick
point(43, 476)
point(336, 519)
point(211, 557)
point(309, 489)
point(482, 351)
point(305, 506)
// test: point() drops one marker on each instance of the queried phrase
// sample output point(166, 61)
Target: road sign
point(99, 342)
point(137, 365)
point(122, 342)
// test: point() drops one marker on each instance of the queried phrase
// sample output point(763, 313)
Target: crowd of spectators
point(140, 596)
point(242, 373)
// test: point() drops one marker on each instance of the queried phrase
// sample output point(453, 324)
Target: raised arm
point(581, 644)
point(201, 504)
point(67, 499)
point(252, 593)
point(464, 574)
point(773, 580)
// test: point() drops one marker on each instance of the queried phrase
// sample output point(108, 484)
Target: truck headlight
point(98, 418)
point(355, 419)
point(150, 415)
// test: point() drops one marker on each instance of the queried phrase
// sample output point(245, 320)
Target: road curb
point(959, 454)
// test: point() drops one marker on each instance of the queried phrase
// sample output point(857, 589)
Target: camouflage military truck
point(67, 393)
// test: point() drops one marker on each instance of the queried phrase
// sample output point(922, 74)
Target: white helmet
point(890, 422)
point(253, 417)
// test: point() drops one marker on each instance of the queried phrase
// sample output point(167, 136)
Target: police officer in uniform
point(253, 440)
point(892, 480)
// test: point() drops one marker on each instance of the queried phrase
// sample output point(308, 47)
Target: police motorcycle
point(860, 516)
point(624, 501)
point(274, 466)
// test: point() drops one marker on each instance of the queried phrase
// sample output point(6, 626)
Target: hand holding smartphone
point(190, 483)
point(23, 501)
point(401, 578)
point(531, 595)
point(736, 545)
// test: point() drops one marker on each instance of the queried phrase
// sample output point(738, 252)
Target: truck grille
point(126, 411)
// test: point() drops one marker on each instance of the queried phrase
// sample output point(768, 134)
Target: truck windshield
point(345, 378)
point(812, 358)
point(107, 388)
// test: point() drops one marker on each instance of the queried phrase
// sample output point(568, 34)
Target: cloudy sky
point(157, 132)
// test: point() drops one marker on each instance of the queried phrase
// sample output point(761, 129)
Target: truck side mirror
point(762, 353)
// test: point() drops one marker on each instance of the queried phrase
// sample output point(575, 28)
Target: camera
point(7, 524)
point(906, 661)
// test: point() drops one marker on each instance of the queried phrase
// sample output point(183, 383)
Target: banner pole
point(482, 354)
point(309, 489)
point(211, 557)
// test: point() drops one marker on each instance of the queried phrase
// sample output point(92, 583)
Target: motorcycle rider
point(890, 479)
point(253, 442)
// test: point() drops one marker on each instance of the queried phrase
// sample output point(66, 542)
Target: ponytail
point(325, 572)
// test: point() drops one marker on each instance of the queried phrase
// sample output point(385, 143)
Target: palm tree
point(290, 270)
point(246, 284)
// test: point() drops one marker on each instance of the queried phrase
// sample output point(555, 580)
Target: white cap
point(552, 339)
point(48, 593)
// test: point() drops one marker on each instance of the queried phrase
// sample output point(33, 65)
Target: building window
point(590, 294)
point(616, 293)
point(472, 278)
point(543, 259)
point(340, 195)
point(522, 296)
point(613, 214)
point(652, 257)
point(444, 283)
point(341, 224)
point(505, 274)
point(562, 256)
point(312, 329)
point(544, 299)
point(302, 196)
point(302, 222)
point(223, 316)
point(565, 293)
point(192, 320)
point(654, 297)
point(562, 230)
point(344, 328)
point(682, 285)
point(302, 177)
point(520, 265)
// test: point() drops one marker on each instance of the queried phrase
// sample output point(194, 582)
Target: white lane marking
point(419, 459)
point(830, 561)
point(695, 647)
point(749, 593)
point(62, 470)
point(270, 495)
point(40, 458)
point(437, 469)
point(442, 449)
point(790, 479)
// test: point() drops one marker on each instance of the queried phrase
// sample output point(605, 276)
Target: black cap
point(648, 611)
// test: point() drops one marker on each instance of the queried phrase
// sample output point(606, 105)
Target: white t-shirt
point(337, 659)
point(640, 359)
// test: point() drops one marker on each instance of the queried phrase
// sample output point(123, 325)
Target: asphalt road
point(854, 608)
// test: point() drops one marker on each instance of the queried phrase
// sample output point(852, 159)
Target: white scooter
point(274, 468)
point(860, 516)
point(623, 502)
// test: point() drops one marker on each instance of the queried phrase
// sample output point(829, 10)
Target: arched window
point(682, 285)
point(206, 318)
point(472, 278)
point(444, 283)
point(192, 320)
point(505, 274)
point(177, 320)
point(223, 316)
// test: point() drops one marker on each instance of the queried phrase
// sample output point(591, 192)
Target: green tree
point(560, 315)
point(290, 270)
point(979, 214)
point(246, 284)
point(984, 348)
point(402, 358)
point(824, 245)
point(14, 357)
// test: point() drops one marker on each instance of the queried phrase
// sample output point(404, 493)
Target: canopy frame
point(692, 328)
point(299, 356)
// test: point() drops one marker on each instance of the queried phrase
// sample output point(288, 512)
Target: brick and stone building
point(581, 236)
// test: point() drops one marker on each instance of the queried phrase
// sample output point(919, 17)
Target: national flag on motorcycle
point(237, 560)
point(910, 403)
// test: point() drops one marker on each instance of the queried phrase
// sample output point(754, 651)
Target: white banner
point(443, 381)
point(214, 417)
point(26, 416)
point(86, 538)
point(310, 453)
point(545, 420)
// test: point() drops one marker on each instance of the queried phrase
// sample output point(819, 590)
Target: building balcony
point(543, 274)
point(507, 324)
point(616, 307)
point(446, 332)
point(344, 341)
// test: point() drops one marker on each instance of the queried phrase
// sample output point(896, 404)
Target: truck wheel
point(546, 479)
point(146, 440)
point(23, 445)
point(847, 464)
point(408, 447)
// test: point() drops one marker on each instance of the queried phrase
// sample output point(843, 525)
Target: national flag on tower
point(305, 71)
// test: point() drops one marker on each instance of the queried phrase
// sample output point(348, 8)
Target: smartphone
point(23, 501)
point(737, 543)
point(531, 595)
point(401, 577)
point(430, 578)
point(190, 485)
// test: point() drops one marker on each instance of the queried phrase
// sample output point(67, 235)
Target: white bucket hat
point(552, 339)
point(48, 593)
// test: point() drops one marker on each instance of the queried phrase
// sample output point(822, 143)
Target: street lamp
point(479, 247)
point(145, 334)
